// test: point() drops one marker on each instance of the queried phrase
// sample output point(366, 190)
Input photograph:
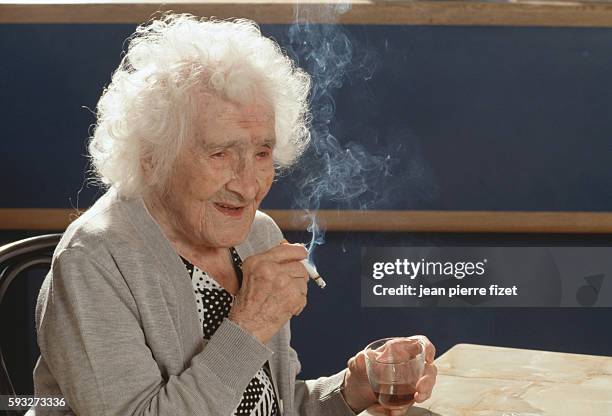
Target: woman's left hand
point(358, 393)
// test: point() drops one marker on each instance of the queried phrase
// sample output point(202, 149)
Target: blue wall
point(491, 118)
point(476, 118)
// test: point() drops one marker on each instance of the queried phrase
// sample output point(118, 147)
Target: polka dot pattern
point(214, 303)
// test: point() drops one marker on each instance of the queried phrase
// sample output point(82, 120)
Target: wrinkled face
point(222, 175)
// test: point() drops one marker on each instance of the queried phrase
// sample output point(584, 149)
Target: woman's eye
point(265, 152)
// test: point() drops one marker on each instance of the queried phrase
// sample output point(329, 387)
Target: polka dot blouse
point(214, 304)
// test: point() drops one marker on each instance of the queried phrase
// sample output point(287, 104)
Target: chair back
point(15, 260)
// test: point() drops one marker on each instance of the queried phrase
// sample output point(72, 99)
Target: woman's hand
point(274, 288)
point(358, 393)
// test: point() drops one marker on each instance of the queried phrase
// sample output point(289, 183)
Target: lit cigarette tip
point(320, 282)
point(314, 275)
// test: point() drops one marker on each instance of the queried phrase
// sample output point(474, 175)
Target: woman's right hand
point(274, 288)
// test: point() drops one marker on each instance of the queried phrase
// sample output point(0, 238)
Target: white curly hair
point(149, 109)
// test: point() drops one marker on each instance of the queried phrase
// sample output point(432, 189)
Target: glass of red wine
point(394, 365)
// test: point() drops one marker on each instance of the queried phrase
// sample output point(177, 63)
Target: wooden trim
point(452, 221)
point(55, 219)
point(374, 221)
point(402, 12)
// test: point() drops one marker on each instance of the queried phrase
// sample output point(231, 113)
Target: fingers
point(300, 294)
point(399, 349)
point(357, 362)
point(426, 383)
point(300, 286)
point(294, 269)
point(400, 345)
point(430, 349)
point(297, 284)
point(278, 255)
point(288, 282)
point(273, 272)
point(286, 252)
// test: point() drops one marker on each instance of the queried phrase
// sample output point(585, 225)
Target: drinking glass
point(394, 365)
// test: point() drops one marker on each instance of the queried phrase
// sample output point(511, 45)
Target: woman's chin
point(233, 235)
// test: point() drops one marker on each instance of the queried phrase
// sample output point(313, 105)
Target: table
point(480, 380)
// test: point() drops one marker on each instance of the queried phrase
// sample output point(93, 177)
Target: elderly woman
point(173, 294)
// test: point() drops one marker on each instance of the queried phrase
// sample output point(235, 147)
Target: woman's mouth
point(229, 210)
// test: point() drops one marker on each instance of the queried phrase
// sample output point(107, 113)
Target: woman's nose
point(244, 181)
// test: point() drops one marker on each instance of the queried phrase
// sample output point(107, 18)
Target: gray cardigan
point(119, 333)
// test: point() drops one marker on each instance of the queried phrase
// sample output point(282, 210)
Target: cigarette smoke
point(330, 170)
point(336, 173)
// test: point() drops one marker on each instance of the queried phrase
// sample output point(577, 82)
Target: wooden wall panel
point(473, 13)
point(374, 221)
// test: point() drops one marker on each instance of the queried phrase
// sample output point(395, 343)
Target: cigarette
point(314, 275)
point(312, 271)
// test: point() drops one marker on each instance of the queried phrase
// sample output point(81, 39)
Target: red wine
point(395, 395)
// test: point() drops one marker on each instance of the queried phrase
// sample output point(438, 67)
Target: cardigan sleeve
point(93, 345)
point(320, 397)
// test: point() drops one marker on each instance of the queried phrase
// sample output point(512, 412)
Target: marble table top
point(479, 380)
